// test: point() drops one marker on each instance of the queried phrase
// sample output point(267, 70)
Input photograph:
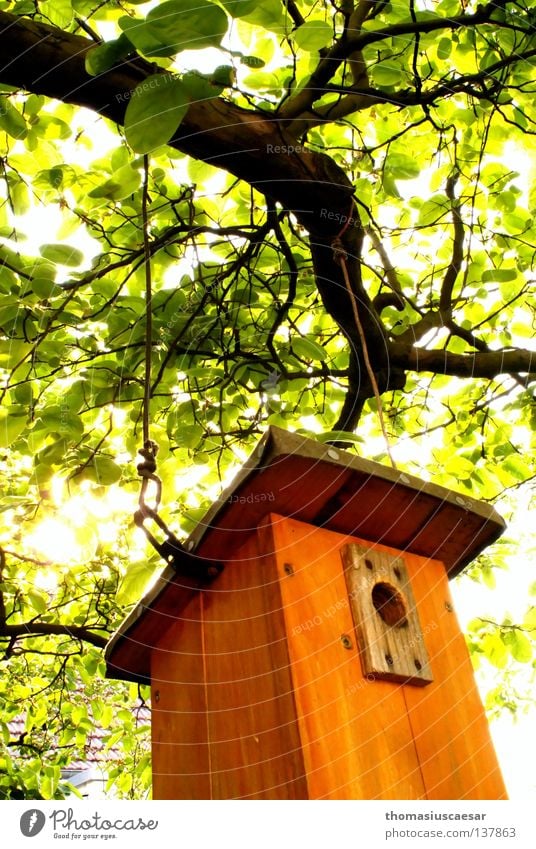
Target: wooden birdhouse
point(325, 661)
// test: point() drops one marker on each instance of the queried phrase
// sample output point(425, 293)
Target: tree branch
point(455, 265)
point(345, 46)
point(396, 297)
point(40, 629)
point(3, 613)
point(478, 84)
point(486, 364)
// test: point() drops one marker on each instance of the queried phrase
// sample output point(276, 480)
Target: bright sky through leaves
point(403, 133)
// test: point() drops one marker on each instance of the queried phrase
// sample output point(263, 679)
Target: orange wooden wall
point(256, 696)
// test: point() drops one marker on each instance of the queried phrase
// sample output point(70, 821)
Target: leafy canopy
point(280, 136)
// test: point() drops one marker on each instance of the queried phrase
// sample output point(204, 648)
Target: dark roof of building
point(97, 753)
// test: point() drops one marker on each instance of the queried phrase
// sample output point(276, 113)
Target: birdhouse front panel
point(365, 737)
point(263, 688)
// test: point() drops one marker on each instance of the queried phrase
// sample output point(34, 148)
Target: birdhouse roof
point(294, 476)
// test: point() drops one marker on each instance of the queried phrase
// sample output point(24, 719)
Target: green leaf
point(134, 583)
point(199, 86)
point(269, 14)
point(401, 166)
point(389, 184)
point(43, 287)
point(125, 182)
point(308, 349)
point(529, 621)
point(387, 73)
point(432, 210)
point(312, 35)
point(11, 121)
point(519, 644)
point(12, 351)
point(187, 24)
point(239, 8)
point(107, 711)
point(223, 75)
point(339, 436)
point(495, 650)
point(62, 254)
point(103, 471)
point(444, 48)
point(103, 57)
point(154, 112)
point(252, 61)
point(517, 221)
point(189, 436)
point(499, 275)
point(12, 424)
point(38, 601)
point(139, 33)
point(79, 714)
point(20, 198)
point(57, 12)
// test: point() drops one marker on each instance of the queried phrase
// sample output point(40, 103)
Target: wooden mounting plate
point(386, 619)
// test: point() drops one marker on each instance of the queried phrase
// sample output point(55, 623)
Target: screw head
point(346, 641)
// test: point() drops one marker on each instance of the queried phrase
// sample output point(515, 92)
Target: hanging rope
point(341, 257)
point(148, 302)
point(147, 467)
point(171, 549)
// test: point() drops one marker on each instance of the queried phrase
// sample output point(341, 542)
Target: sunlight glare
point(54, 540)
point(80, 522)
point(47, 580)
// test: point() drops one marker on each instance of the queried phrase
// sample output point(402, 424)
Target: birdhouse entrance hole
point(388, 630)
point(390, 605)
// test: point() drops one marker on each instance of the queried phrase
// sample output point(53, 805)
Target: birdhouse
point(325, 660)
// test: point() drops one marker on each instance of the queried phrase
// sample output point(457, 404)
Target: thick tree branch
point(455, 265)
point(355, 398)
point(250, 144)
point(487, 364)
point(26, 630)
